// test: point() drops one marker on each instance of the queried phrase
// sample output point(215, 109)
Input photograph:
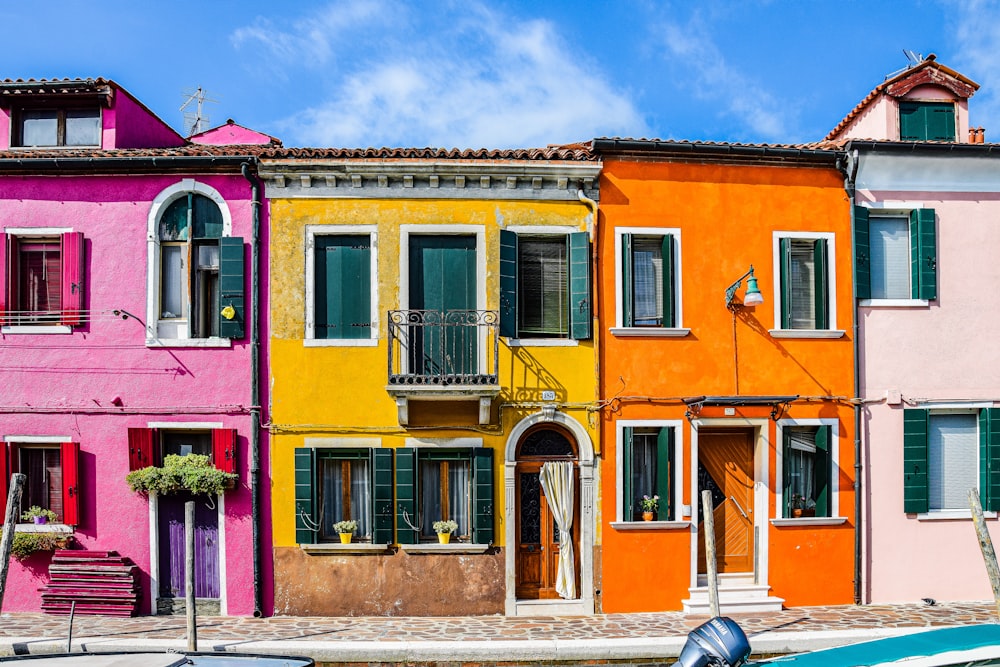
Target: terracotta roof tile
point(575, 152)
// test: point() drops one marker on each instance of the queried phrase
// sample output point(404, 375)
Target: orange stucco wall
point(727, 215)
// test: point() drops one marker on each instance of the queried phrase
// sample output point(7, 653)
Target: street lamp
point(753, 296)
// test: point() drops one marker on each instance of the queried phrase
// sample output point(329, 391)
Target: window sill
point(650, 332)
point(806, 333)
point(55, 528)
point(337, 548)
point(650, 525)
point(188, 342)
point(894, 303)
point(811, 521)
point(438, 548)
point(340, 342)
point(44, 330)
point(952, 515)
point(542, 342)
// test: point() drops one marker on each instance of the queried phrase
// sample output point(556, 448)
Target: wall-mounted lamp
point(753, 296)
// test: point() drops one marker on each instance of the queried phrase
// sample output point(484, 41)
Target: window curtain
point(361, 497)
point(890, 258)
point(333, 509)
point(643, 468)
point(802, 299)
point(430, 496)
point(458, 495)
point(801, 469)
point(647, 276)
point(556, 478)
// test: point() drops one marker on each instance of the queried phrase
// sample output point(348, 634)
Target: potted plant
point(649, 507)
point(38, 515)
point(191, 472)
point(346, 530)
point(444, 529)
point(25, 544)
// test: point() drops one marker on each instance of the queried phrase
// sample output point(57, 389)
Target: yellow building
point(433, 359)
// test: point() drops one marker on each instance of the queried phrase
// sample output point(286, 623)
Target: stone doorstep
point(178, 606)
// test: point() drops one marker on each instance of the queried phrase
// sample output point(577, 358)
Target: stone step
point(734, 598)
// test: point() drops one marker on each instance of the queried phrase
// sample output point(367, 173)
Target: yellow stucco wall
point(333, 392)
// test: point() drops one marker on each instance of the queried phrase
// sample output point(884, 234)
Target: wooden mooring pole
point(192, 622)
point(985, 545)
point(10, 520)
point(708, 519)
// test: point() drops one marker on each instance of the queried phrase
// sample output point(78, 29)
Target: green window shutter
point(912, 122)
point(915, 496)
point(940, 122)
point(508, 284)
point(822, 289)
point(482, 495)
point(862, 255)
point(579, 286)
point(784, 249)
point(669, 282)
point(305, 496)
point(665, 472)
point(990, 487)
point(382, 509)
point(231, 292)
point(342, 279)
point(628, 496)
point(406, 496)
point(923, 254)
point(628, 289)
point(821, 471)
point(786, 474)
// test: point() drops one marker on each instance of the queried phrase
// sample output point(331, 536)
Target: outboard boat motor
point(720, 643)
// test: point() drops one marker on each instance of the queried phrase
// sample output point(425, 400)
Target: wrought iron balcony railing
point(456, 348)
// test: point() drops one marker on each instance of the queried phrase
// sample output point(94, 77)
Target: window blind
point(953, 460)
point(890, 258)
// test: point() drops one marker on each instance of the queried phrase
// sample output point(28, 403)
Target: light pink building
point(127, 333)
point(927, 195)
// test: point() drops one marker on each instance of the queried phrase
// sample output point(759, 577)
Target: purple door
point(206, 546)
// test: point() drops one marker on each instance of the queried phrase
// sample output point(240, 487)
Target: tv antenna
point(195, 121)
point(913, 58)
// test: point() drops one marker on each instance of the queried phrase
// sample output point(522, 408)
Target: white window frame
point(620, 522)
point(895, 209)
point(175, 333)
point(312, 231)
point(831, 270)
point(779, 482)
point(953, 409)
point(28, 233)
point(619, 329)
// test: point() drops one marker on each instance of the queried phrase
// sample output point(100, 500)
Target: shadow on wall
point(529, 378)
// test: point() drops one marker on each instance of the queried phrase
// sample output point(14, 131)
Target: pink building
point(925, 229)
point(127, 333)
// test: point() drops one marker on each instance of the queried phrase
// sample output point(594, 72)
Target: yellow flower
point(229, 312)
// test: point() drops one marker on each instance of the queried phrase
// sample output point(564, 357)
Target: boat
point(158, 659)
point(722, 643)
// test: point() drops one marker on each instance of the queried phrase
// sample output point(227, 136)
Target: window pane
point(172, 281)
point(183, 443)
point(953, 460)
point(342, 280)
point(207, 218)
point(802, 295)
point(430, 496)
point(43, 484)
point(647, 282)
point(459, 496)
point(800, 468)
point(40, 128)
point(643, 469)
point(174, 222)
point(890, 258)
point(83, 127)
point(345, 494)
point(543, 286)
point(39, 286)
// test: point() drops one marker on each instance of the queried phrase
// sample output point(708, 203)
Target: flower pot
point(40, 519)
point(345, 538)
point(796, 513)
point(647, 516)
point(444, 538)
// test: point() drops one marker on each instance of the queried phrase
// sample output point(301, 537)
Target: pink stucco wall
point(880, 120)
point(231, 134)
point(135, 126)
point(941, 352)
point(64, 384)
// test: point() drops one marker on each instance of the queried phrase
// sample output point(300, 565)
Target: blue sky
point(507, 73)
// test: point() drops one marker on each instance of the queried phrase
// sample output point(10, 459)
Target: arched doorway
point(548, 435)
point(536, 530)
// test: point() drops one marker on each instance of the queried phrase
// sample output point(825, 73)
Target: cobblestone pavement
point(487, 628)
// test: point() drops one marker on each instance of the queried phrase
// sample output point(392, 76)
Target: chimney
point(981, 135)
point(972, 135)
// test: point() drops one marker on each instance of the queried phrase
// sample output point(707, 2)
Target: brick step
point(101, 583)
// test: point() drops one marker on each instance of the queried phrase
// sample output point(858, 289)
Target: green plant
point(345, 526)
point(448, 526)
point(798, 501)
point(25, 544)
point(650, 504)
point(35, 510)
point(192, 472)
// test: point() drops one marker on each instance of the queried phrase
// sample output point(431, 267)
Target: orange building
point(727, 366)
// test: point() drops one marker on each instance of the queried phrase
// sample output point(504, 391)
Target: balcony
point(443, 355)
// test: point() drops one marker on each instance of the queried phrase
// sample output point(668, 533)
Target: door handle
point(739, 508)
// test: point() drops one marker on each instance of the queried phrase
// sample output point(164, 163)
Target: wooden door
point(725, 466)
point(537, 548)
point(206, 547)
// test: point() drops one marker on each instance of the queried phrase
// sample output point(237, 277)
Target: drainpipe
point(258, 607)
point(850, 169)
point(594, 292)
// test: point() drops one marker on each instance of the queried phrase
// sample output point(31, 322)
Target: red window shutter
point(71, 482)
point(4, 281)
point(4, 480)
point(72, 278)
point(140, 448)
point(224, 449)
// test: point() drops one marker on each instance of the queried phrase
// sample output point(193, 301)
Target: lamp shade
point(753, 296)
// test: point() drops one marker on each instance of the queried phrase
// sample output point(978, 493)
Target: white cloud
point(976, 44)
point(473, 79)
point(704, 70)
